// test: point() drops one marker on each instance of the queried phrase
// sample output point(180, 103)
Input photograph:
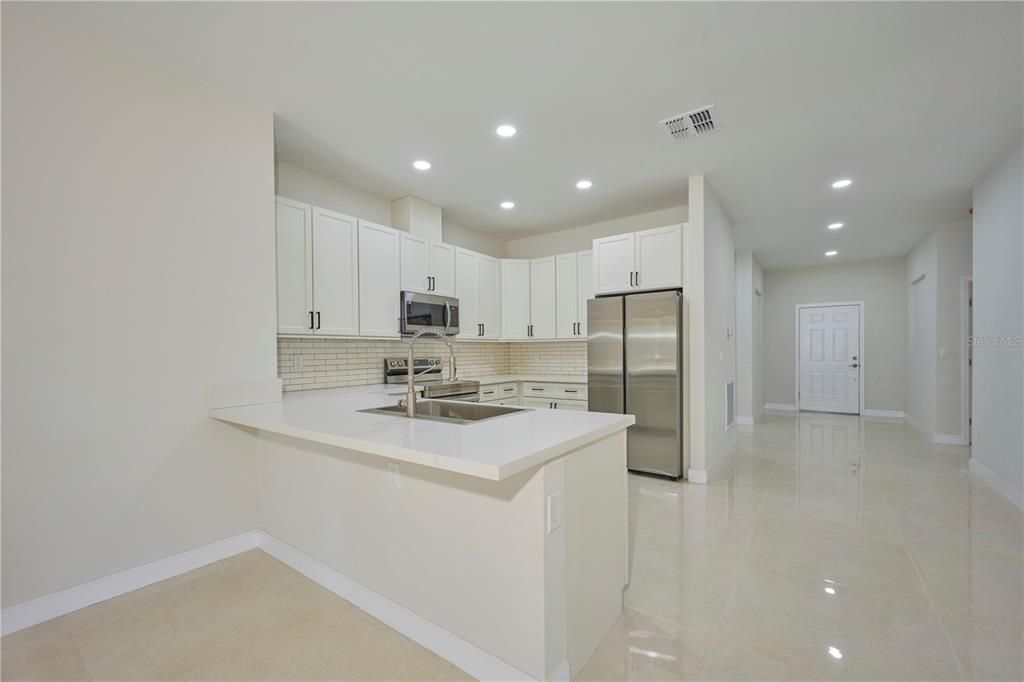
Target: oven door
point(420, 311)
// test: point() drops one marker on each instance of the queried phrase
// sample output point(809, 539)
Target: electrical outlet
point(394, 477)
point(554, 511)
point(297, 361)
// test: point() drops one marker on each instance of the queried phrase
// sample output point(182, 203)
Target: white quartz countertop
point(540, 378)
point(494, 449)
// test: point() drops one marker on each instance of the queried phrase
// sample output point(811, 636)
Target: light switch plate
point(554, 511)
point(297, 361)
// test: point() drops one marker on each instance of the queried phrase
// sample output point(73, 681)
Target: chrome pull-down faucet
point(410, 393)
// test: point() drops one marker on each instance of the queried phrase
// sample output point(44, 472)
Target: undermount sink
point(449, 411)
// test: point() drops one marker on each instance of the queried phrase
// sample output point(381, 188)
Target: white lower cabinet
point(379, 280)
point(550, 395)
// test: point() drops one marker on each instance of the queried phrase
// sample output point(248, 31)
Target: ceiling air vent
point(691, 124)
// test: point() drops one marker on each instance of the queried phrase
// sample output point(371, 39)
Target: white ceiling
point(913, 101)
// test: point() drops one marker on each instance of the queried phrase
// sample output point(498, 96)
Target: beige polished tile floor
point(828, 547)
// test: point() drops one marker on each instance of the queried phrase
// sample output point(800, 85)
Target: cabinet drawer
point(496, 391)
point(553, 390)
point(552, 404)
point(511, 402)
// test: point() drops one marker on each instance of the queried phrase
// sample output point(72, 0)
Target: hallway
point(828, 547)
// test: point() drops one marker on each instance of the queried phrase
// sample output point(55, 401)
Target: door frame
point(966, 294)
point(861, 362)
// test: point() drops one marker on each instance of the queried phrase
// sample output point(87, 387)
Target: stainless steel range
point(428, 373)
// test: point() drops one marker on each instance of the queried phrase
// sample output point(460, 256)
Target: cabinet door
point(614, 263)
point(488, 300)
point(294, 267)
point(577, 405)
point(335, 273)
point(566, 295)
point(467, 291)
point(415, 263)
point(379, 280)
point(537, 402)
point(659, 258)
point(584, 289)
point(542, 297)
point(515, 298)
point(442, 269)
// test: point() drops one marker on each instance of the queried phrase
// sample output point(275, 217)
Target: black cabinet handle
point(508, 389)
point(630, 278)
point(483, 329)
point(570, 390)
point(310, 319)
point(536, 389)
point(638, 278)
point(318, 319)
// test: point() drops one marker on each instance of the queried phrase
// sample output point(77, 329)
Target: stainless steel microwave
point(420, 311)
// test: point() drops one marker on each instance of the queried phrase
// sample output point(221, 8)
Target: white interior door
point(830, 359)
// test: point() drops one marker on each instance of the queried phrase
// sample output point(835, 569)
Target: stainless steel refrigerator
point(636, 356)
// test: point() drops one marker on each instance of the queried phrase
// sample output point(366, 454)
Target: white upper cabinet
point(567, 302)
point(574, 285)
point(476, 287)
point(415, 262)
point(614, 263)
point(317, 271)
point(659, 258)
point(584, 288)
point(638, 261)
point(442, 269)
point(379, 279)
point(468, 292)
point(515, 298)
point(488, 298)
point(427, 266)
point(294, 267)
point(542, 298)
point(335, 274)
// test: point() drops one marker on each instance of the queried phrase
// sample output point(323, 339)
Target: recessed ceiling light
point(835, 226)
point(508, 204)
point(506, 130)
point(584, 184)
point(831, 253)
point(842, 183)
point(421, 165)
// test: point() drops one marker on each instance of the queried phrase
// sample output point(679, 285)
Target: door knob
point(855, 365)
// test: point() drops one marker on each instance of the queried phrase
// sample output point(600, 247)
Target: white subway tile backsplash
point(335, 363)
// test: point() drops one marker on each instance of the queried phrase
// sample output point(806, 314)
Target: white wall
point(710, 280)
point(922, 310)
point(138, 269)
point(309, 187)
point(936, 268)
point(954, 261)
point(749, 337)
point(881, 284)
point(998, 404)
point(581, 238)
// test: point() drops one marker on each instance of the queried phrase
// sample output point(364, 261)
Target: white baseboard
point(891, 414)
point(940, 438)
point(697, 475)
point(780, 406)
point(745, 421)
point(452, 648)
point(459, 652)
point(986, 475)
point(563, 674)
point(49, 606)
